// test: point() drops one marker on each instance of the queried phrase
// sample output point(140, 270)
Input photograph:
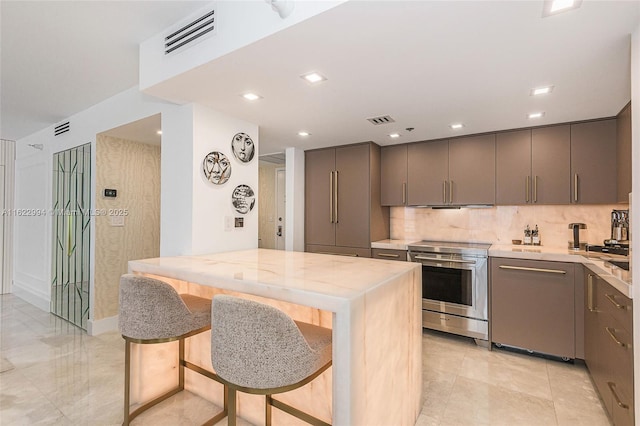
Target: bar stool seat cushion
point(151, 309)
point(258, 346)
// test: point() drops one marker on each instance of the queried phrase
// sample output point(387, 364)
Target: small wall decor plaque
point(216, 167)
point(243, 147)
point(243, 199)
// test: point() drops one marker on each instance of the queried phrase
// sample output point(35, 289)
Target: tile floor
point(52, 373)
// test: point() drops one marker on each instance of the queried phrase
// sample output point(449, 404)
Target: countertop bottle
point(535, 237)
point(527, 235)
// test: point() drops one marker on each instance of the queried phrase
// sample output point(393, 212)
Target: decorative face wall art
point(243, 147)
point(243, 199)
point(216, 168)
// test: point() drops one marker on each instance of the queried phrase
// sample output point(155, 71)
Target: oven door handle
point(445, 260)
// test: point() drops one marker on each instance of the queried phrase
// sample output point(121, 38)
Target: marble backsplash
point(501, 224)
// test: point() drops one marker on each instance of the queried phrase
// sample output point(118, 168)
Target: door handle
point(615, 396)
point(331, 197)
point(612, 334)
point(388, 255)
point(279, 233)
point(575, 187)
point(444, 192)
point(450, 191)
point(590, 305)
point(610, 298)
point(404, 193)
point(535, 189)
point(445, 260)
point(523, 268)
point(335, 202)
point(526, 189)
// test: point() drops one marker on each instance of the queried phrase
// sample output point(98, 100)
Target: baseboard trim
point(40, 301)
point(105, 325)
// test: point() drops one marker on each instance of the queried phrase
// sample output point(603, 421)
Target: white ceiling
point(427, 64)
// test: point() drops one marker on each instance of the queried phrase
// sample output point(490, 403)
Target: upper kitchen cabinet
point(393, 175)
point(593, 162)
point(532, 166)
point(452, 172)
point(472, 170)
point(428, 173)
point(623, 142)
point(342, 200)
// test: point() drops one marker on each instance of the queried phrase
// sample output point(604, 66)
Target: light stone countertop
point(596, 262)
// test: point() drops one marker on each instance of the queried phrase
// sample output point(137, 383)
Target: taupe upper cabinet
point(593, 162)
point(452, 172)
point(472, 170)
point(342, 200)
point(393, 175)
point(532, 166)
point(623, 138)
point(428, 173)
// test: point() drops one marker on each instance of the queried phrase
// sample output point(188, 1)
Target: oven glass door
point(448, 285)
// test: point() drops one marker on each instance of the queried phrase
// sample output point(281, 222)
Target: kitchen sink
point(622, 264)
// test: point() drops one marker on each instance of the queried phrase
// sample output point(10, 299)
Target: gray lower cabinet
point(532, 305)
point(608, 317)
point(342, 200)
point(389, 254)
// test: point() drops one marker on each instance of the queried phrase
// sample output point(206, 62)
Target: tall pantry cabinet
point(343, 214)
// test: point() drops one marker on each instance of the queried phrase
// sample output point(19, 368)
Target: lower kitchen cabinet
point(608, 350)
point(389, 254)
point(532, 305)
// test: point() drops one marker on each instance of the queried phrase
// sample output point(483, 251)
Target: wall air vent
point(384, 119)
point(191, 32)
point(61, 128)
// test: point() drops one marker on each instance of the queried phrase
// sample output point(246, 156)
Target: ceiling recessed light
point(541, 90)
point(394, 135)
point(551, 7)
point(251, 96)
point(159, 132)
point(313, 77)
point(535, 115)
point(456, 126)
point(303, 133)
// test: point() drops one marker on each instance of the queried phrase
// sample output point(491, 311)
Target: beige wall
point(133, 169)
point(267, 204)
point(501, 224)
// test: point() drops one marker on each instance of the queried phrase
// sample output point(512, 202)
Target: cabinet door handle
point(444, 192)
point(523, 268)
point(535, 189)
point(388, 255)
point(612, 334)
point(338, 254)
point(335, 202)
point(331, 197)
point(575, 187)
point(615, 396)
point(526, 189)
point(590, 304)
point(610, 298)
point(404, 193)
point(450, 191)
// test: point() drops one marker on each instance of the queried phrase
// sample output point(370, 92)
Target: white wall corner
point(294, 237)
point(105, 325)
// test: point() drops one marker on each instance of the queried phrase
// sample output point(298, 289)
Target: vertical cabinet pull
point(590, 305)
point(535, 189)
point(575, 187)
point(444, 192)
point(526, 189)
point(619, 403)
point(404, 193)
point(450, 191)
point(335, 201)
point(331, 197)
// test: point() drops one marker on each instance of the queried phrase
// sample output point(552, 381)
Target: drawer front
point(338, 250)
point(388, 254)
point(611, 301)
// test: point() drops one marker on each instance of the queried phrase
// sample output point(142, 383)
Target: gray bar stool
point(151, 311)
point(258, 349)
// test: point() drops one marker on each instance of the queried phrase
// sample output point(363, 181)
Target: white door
point(280, 208)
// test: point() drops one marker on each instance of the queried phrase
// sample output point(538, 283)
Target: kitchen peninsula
point(372, 306)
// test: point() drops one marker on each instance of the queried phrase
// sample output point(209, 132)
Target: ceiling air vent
point(61, 128)
point(190, 32)
point(381, 120)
